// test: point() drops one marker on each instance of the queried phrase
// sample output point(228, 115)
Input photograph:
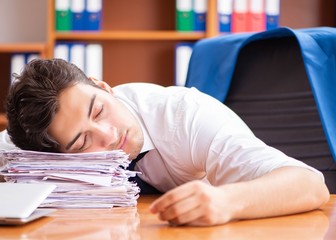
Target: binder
point(18, 61)
point(77, 55)
point(62, 15)
point(184, 15)
point(239, 16)
point(94, 61)
point(183, 53)
point(31, 56)
point(272, 10)
point(224, 9)
point(200, 9)
point(62, 51)
point(256, 16)
point(77, 15)
point(93, 15)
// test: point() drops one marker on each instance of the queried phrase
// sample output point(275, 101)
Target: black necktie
point(145, 188)
point(131, 166)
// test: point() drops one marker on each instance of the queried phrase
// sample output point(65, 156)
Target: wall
point(23, 21)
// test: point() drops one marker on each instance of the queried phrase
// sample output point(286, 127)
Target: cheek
point(110, 119)
point(118, 117)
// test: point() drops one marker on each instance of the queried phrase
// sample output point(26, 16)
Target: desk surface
point(139, 223)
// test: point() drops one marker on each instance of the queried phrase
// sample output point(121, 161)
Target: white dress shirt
point(5, 142)
point(191, 136)
point(194, 136)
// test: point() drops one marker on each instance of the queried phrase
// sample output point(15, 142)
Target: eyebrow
point(68, 146)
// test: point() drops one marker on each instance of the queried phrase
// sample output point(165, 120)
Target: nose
point(104, 136)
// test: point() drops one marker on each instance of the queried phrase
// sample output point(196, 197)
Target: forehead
point(77, 90)
point(77, 96)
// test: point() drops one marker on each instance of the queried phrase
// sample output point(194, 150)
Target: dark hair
point(32, 101)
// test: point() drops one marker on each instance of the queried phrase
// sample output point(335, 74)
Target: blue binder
point(200, 9)
point(272, 12)
point(224, 9)
point(93, 15)
point(213, 62)
point(78, 15)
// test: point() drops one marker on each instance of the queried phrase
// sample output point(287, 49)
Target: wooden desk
point(139, 223)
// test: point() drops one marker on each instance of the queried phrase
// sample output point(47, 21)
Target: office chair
point(282, 83)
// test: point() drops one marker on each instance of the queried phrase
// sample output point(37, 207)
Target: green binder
point(184, 15)
point(62, 15)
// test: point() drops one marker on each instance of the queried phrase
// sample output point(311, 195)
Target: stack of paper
point(84, 180)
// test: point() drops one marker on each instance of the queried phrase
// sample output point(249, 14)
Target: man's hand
point(194, 203)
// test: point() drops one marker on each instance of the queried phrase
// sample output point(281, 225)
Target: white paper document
point(83, 180)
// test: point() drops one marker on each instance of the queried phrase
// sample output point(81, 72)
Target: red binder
point(256, 16)
point(239, 16)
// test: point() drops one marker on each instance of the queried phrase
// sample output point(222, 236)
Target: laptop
point(19, 202)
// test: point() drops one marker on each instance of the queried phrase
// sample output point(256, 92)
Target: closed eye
point(84, 143)
point(100, 112)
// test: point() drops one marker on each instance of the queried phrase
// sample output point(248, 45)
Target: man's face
point(91, 120)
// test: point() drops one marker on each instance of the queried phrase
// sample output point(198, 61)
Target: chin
point(133, 148)
point(133, 154)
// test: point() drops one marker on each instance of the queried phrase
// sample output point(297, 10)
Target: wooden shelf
point(3, 121)
point(130, 35)
point(22, 47)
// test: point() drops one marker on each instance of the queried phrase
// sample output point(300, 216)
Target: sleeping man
point(208, 165)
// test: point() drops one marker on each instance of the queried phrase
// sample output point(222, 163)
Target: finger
point(180, 208)
point(206, 219)
point(203, 222)
point(199, 222)
point(188, 217)
point(170, 198)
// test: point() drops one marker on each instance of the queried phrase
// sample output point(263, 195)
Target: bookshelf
point(139, 38)
point(6, 50)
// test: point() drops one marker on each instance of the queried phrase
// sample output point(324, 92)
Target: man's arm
point(283, 191)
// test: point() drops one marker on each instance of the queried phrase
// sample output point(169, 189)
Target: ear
point(102, 84)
